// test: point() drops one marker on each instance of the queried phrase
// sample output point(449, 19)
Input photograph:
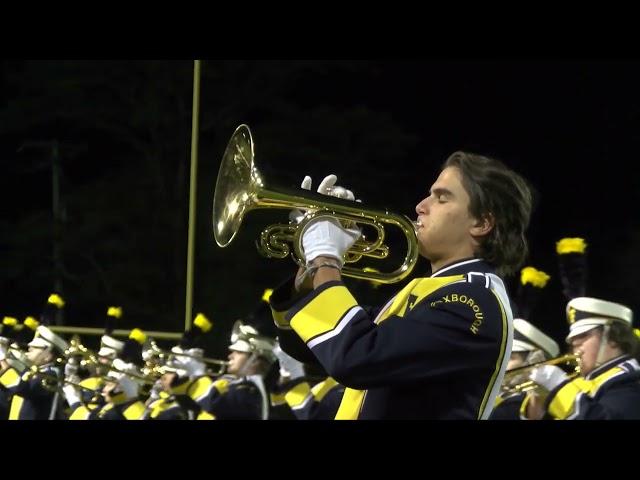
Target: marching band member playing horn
point(110, 348)
point(122, 386)
point(530, 345)
point(601, 333)
point(241, 392)
point(439, 348)
point(32, 400)
point(186, 389)
point(307, 402)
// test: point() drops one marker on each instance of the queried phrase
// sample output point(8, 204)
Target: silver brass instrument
point(240, 189)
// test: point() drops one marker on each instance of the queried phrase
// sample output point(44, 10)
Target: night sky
point(384, 127)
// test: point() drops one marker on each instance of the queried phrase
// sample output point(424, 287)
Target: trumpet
point(240, 189)
point(512, 375)
point(167, 355)
point(92, 359)
point(53, 382)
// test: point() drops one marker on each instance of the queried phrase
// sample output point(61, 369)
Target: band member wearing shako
point(601, 334)
point(187, 389)
point(307, 401)
point(122, 386)
point(530, 345)
point(241, 393)
point(35, 393)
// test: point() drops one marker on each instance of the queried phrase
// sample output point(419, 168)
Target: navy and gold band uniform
point(91, 399)
point(237, 398)
point(30, 399)
point(437, 350)
point(319, 402)
point(508, 407)
point(130, 410)
point(187, 400)
point(609, 392)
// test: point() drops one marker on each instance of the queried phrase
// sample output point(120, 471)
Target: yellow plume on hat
point(535, 277)
point(114, 312)
point(31, 323)
point(56, 300)
point(267, 294)
point(138, 335)
point(202, 322)
point(571, 245)
point(10, 321)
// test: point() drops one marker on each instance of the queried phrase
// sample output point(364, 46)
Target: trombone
point(240, 189)
point(510, 376)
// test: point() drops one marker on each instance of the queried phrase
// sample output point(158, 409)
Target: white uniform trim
point(338, 328)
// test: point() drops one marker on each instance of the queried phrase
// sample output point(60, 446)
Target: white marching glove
point(4, 348)
point(327, 187)
point(296, 215)
point(548, 376)
point(154, 393)
point(289, 366)
point(71, 394)
point(70, 369)
point(327, 237)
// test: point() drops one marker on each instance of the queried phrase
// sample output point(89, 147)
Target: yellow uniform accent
point(205, 416)
point(297, 394)
point(161, 405)
point(323, 313)
point(321, 389)
point(80, 413)
point(202, 386)
point(420, 288)
point(10, 377)
point(94, 383)
point(134, 411)
point(16, 406)
point(563, 403)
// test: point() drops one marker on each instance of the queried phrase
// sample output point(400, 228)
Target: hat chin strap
point(604, 339)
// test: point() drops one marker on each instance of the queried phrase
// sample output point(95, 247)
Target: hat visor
point(520, 346)
point(579, 328)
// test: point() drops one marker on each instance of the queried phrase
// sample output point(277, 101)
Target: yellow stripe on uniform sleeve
point(80, 413)
point(16, 407)
point(135, 411)
point(10, 377)
point(321, 389)
point(200, 388)
point(221, 385)
point(323, 313)
point(297, 395)
point(203, 415)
